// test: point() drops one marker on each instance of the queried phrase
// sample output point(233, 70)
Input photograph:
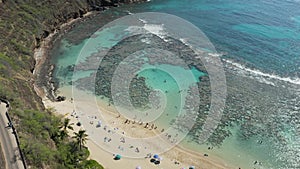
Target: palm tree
point(66, 124)
point(81, 138)
point(64, 128)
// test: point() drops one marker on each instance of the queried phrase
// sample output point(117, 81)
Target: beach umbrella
point(152, 160)
point(138, 167)
point(159, 158)
point(155, 156)
point(118, 157)
point(157, 162)
point(99, 123)
point(192, 167)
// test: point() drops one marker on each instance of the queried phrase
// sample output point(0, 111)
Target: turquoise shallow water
point(262, 35)
point(241, 153)
point(158, 78)
point(249, 31)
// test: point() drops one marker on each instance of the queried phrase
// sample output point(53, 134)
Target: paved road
point(8, 142)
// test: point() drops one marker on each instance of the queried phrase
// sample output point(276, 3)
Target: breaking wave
point(261, 76)
point(159, 30)
point(156, 29)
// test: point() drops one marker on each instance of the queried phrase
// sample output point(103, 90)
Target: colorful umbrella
point(118, 157)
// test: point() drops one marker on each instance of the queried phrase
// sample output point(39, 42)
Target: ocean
point(259, 45)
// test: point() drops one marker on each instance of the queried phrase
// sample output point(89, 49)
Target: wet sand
point(177, 157)
point(185, 158)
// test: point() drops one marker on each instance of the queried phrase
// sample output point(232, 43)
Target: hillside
point(23, 25)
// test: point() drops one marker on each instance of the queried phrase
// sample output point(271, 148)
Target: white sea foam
point(146, 40)
point(266, 78)
point(156, 29)
point(143, 21)
point(184, 41)
point(215, 54)
point(258, 74)
point(129, 13)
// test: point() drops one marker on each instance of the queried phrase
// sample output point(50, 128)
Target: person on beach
point(120, 148)
point(122, 140)
point(99, 124)
point(149, 155)
point(73, 113)
point(152, 126)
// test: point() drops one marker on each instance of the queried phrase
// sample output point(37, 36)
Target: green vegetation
point(23, 25)
point(64, 129)
point(45, 141)
point(81, 138)
point(91, 164)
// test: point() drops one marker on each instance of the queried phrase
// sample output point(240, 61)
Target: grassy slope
point(23, 24)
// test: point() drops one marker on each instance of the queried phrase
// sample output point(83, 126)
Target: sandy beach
point(103, 150)
point(114, 126)
point(43, 69)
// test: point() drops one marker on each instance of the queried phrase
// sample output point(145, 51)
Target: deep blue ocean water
point(263, 34)
point(260, 37)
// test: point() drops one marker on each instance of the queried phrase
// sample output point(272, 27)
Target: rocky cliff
point(23, 24)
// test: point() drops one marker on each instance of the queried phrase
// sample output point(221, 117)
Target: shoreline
point(43, 70)
point(43, 83)
point(184, 156)
point(47, 92)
